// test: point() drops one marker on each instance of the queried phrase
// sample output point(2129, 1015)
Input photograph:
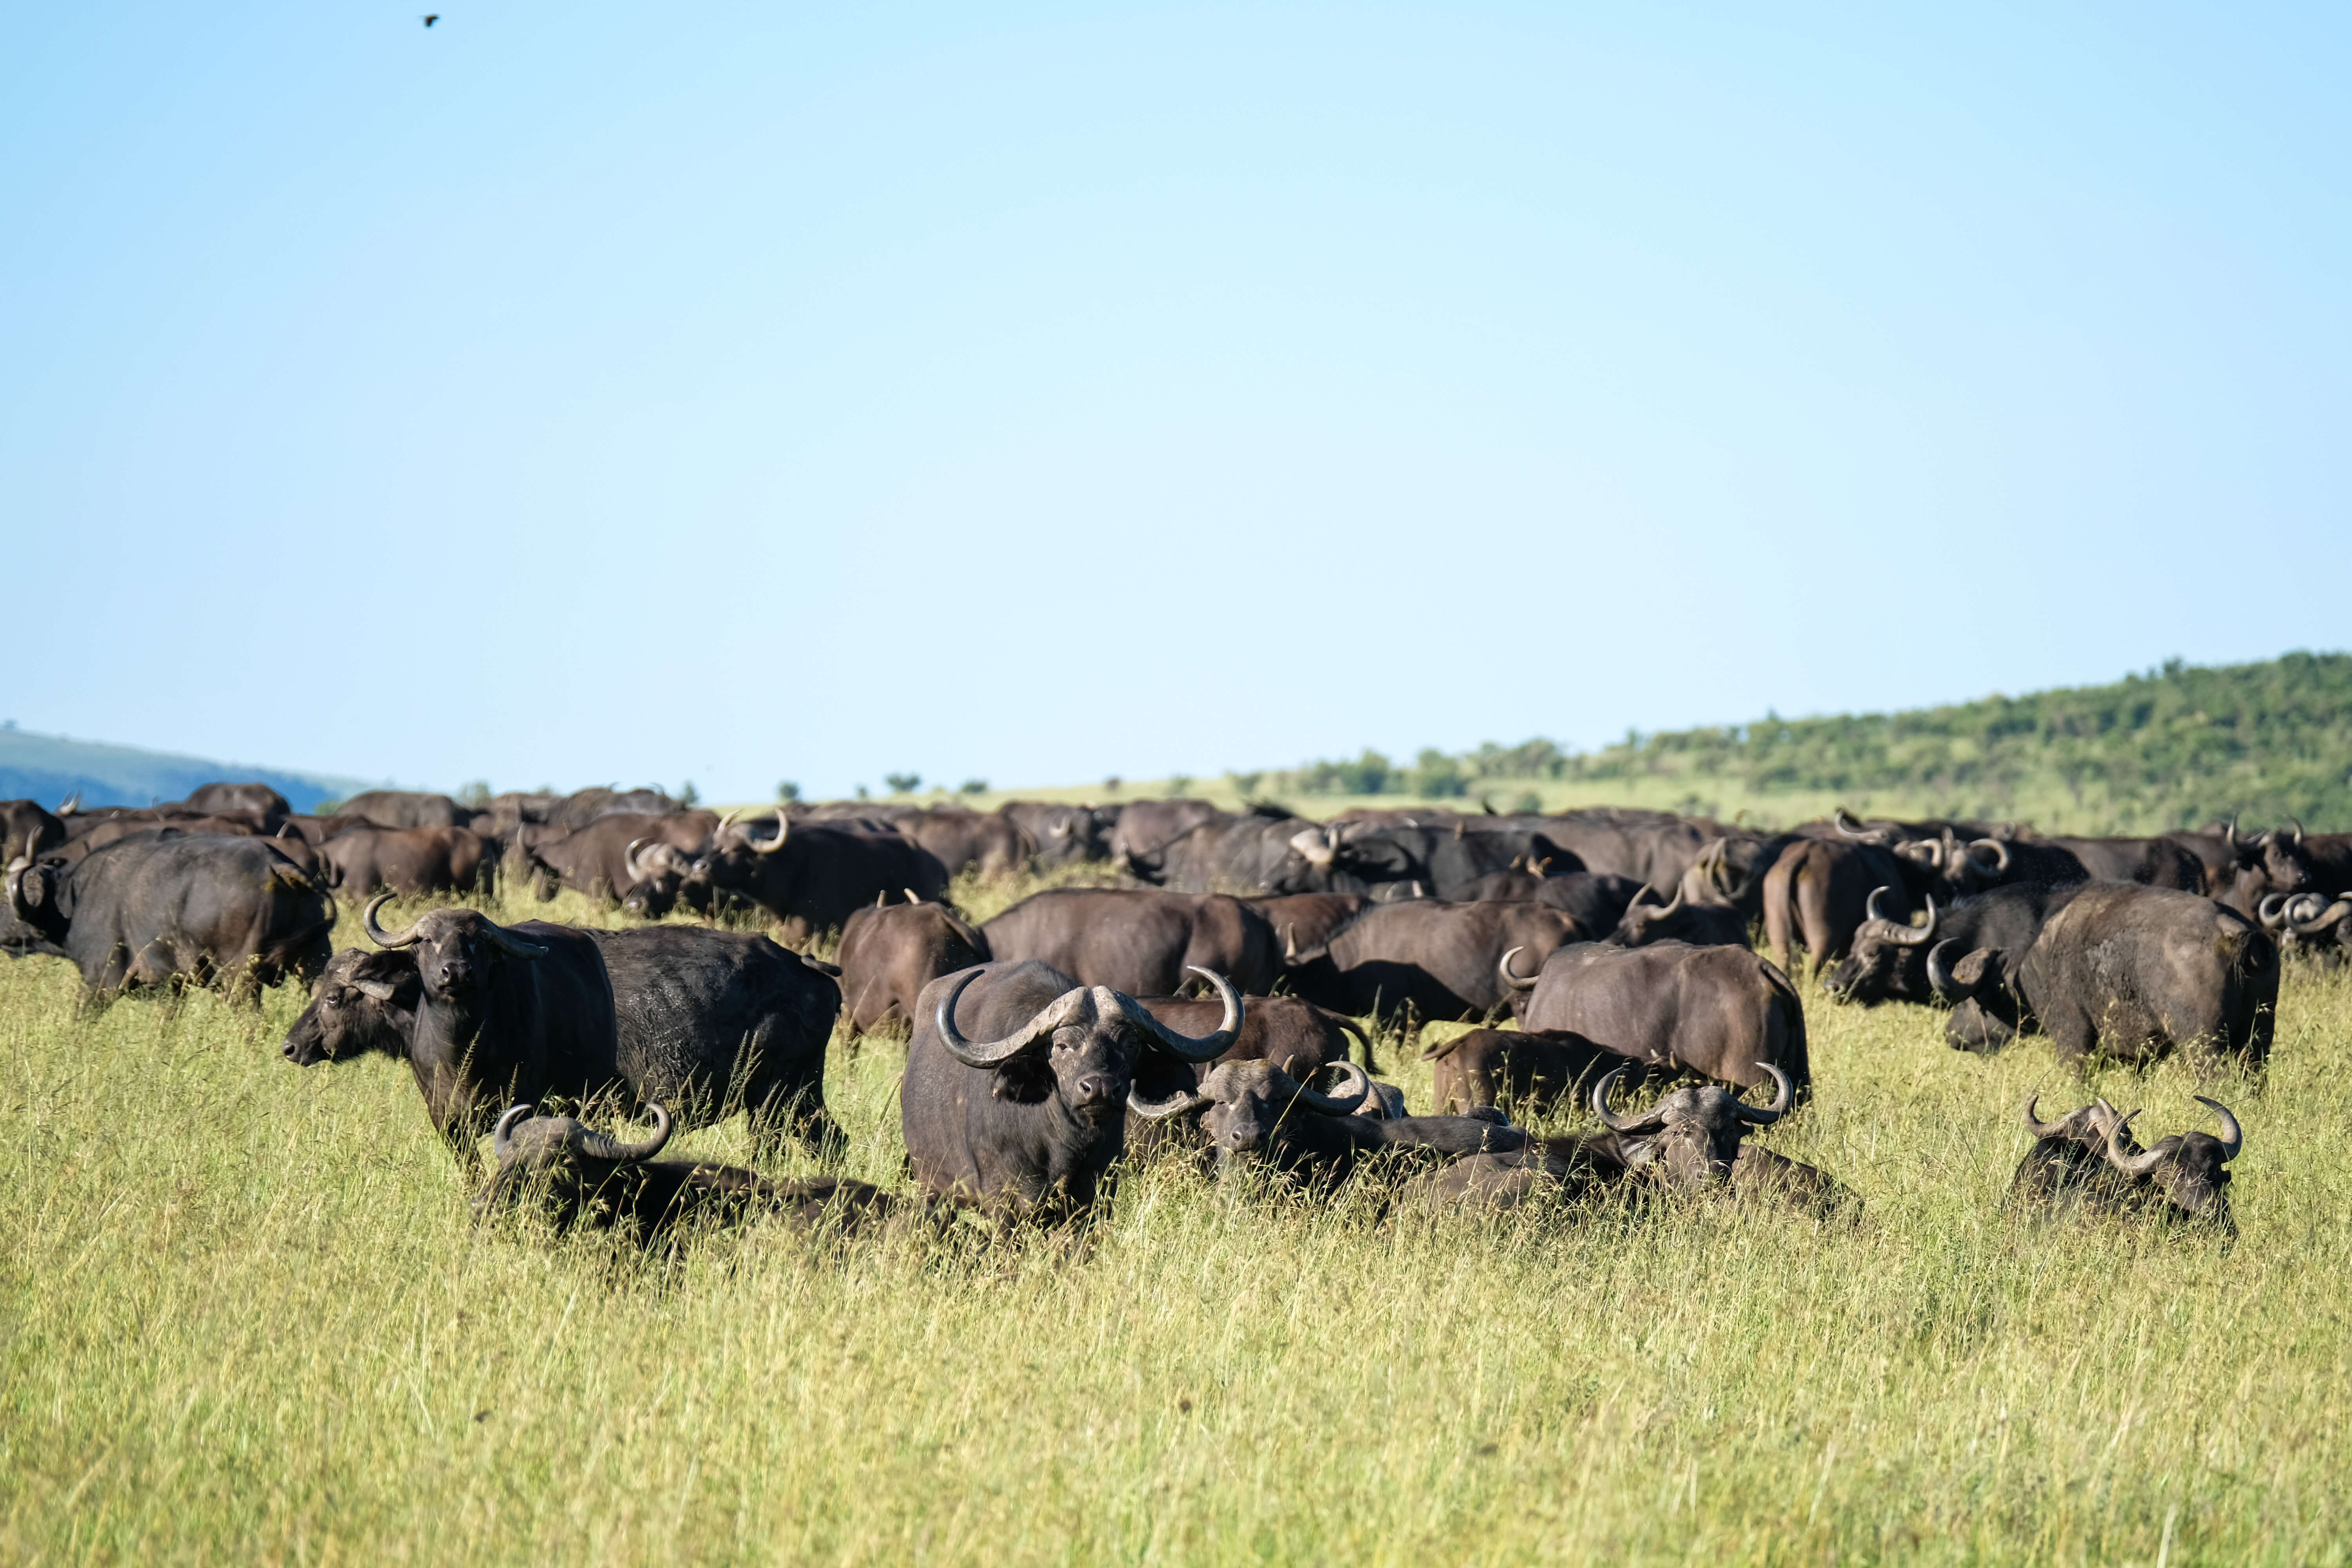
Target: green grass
point(243, 1318)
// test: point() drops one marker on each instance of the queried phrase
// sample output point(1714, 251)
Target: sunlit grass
point(243, 1318)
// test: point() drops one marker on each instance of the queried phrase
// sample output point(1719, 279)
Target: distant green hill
point(47, 768)
point(2172, 748)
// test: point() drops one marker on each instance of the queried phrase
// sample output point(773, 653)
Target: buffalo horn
point(1349, 1100)
point(1312, 847)
point(1939, 973)
point(1912, 936)
point(1660, 912)
point(1765, 1115)
point(1511, 979)
point(912, 897)
point(1849, 825)
point(2229, 833)
point(2270, 910)
point(1176, 1104)
point(2298, 831)
point(1650, 1121)
point(991, 1052)
point(506, 942)
point(1999, 855)
point(1059, 830)
point(783, 826)
point(2325, 917)
point(2233, 1137)
point(601, 1146)
point(376, 934)
point(2035, 1125)
point(502, 1135)
point(2130, 1164)
point(70, 806)
point(1207, 1047)
point(629, 861)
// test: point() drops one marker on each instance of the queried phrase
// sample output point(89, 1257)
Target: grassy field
point(243, 1318)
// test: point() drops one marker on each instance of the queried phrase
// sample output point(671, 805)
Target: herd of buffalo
point(1207, 1007)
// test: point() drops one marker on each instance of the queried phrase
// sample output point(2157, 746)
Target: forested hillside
point(2171, 748)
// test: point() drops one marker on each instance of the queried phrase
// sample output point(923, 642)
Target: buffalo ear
point(1970, 970)
point(33, 888)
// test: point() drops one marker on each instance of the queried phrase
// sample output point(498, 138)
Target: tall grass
point(243, 1318)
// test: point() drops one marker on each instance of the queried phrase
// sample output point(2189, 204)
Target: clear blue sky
point(574, 393)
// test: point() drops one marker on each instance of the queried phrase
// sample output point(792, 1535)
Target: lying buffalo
point(608, 857)
point(2131, 971)
point(411, 861)
point(2088, 1162)
point(891, 951)
point(1139, 943)
point(1700, 920)
point(1694, 1139)
point(1297, 1037)
point(1596, 900)
point(701, 1020)
point(580, 1176)
point(163, 906)
point(363, 1002)
point(1440, 962)
point(1723, 1013)
point(812, 878)
point(1017, 1084)
point(1483, 1068)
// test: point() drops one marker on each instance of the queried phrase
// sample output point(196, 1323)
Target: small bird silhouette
point(433, 18)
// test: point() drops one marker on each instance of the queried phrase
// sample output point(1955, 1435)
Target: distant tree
point(687, 795)
point(787, 791)
point(1179, 783)
point(475, 795)
point(1111, 785)
point(973, 786)
point(861, 792)
point(1245, 785)
point(903, 784)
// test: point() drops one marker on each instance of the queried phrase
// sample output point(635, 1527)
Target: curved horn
point(380, 936)
point(502, 1135)
point(1765, 1115)
point(1849, 825)
point(1511, 979)
point(600, 1146)
point(783, 828)
point(629, 861)
point(1650, 1121)
point(1176, 1104)
point(1870, 909)
point(2298, 831)
point(912, 897)
point(2229, 833)
point(1655, 912)
point(1999, 855)
point(991, 1052)
point(1939, 970)
point(1059, 830)
point(70, 806)
point(1312, 847)
point(2130, 1164)
point(506, 942)
point(2233, 1137)
point(1913, 936)
point(2325, 917)
point(2035, 1125)
point(1209, 1047)
point(2271, 910)
point(1346, 1100)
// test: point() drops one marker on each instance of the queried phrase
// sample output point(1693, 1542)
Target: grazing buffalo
point(1690, 917)
point(1439, 962)
point(1448, 861)
point(1723, 1013)
point(1301, 920)
point(166, 906)
point(2134, 973)
point(2088, 1162)
point(814, 876)
point(1694, 1139)
point(24, 825)
point(581, 808)
point(409, 860)
point(1257, 1116)
point(1483, 1068)
point(580, 1176)
point(607, 857)
point(1139, 942)
point(700, 1020)
point(1893, 960)
point(1596, 900)
point(1017, 1084)
point(405, 808)
point(2163, 862)
point(891, 951)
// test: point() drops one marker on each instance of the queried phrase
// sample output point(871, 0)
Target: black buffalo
point(409, 860)
point(2088, 1162)
point(1017, 1084)
point(1723, 1013)
point(1439, 962)
point(1139, 942)
point(1892, 961)
point(891, 951)
point(1483, 1068)
point(814, 876)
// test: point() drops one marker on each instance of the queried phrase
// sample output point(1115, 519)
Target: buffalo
point(891, 951)
point(1483, 1068)
point(814, 876)
point(2088, 1162)
point(1723, 1013)
point(402, 809)
point(1694, 1139)
point(1140, 942)
point(411, 861)
point(1439, 962)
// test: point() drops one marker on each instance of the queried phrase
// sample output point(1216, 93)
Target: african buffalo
point(1142, 831)
point(1139, 942)
point(410, 861)
point(363, 1002)
point(1694, 1139)
point(2088, 1161)
point(1893, 960)
point(1482, 1067)
point(405, 808)
point(891, 951)
point(1017, 1083)
point(1064, 835)
point(1596, 900)
point(580, 1176)
point(1301, 920)
point(1723, 1013)
point(1440, 962)
point(1819, 889)
point(985, 842)
point(207, 800)
point(607, 857)
point(813, 877)
point(162, 906)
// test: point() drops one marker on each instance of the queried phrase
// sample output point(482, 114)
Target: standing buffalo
point(1723, 1013)
point(1302, 920)
point(1893, 960)
point(1818, 892)
point(207, 800)
point(161, 905)
point(814, 876)
point(1439, 962)
point(607, 857)
point(404, 808)
point(891, 951)
point(1064, 835)
point(410, 861)
point(1017, 1081)
point(1139, 943)
point(986, 842)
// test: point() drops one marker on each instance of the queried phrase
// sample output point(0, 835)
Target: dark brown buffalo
point(812, 878)
point(985, 842)
point(28, 829)
point(164, 906)
point(1696, 1139)
point(602, 859)
point(891, 951)
point(411, 861)
point(405, 808)
point(1303, 921)
point(1139, 942)
point(1064, 835)
point(1596, 900)
point(2088, 1162)
point(1297, 1036)
point(1438, 962)
point(580, 1176)
point(1818, 892)
point(363, 1002)
point(1483, 1068)
point(1144, 829)
point(1698, 915)
point(1723, 1013)
point(1018, 1080)
point(207, 800)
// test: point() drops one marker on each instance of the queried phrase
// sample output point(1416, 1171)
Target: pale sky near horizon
point(572, 394)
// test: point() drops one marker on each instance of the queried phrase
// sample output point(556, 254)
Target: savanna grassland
point(245, 1317)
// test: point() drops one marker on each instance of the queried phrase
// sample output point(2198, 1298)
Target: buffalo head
point(363, 1002)
point(1691, 1137)
point(1884, 952)
point(1083, 1046)
point(2190, 1171)
point(1244, 1104)
point(566, 1159)
point(454, 947)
